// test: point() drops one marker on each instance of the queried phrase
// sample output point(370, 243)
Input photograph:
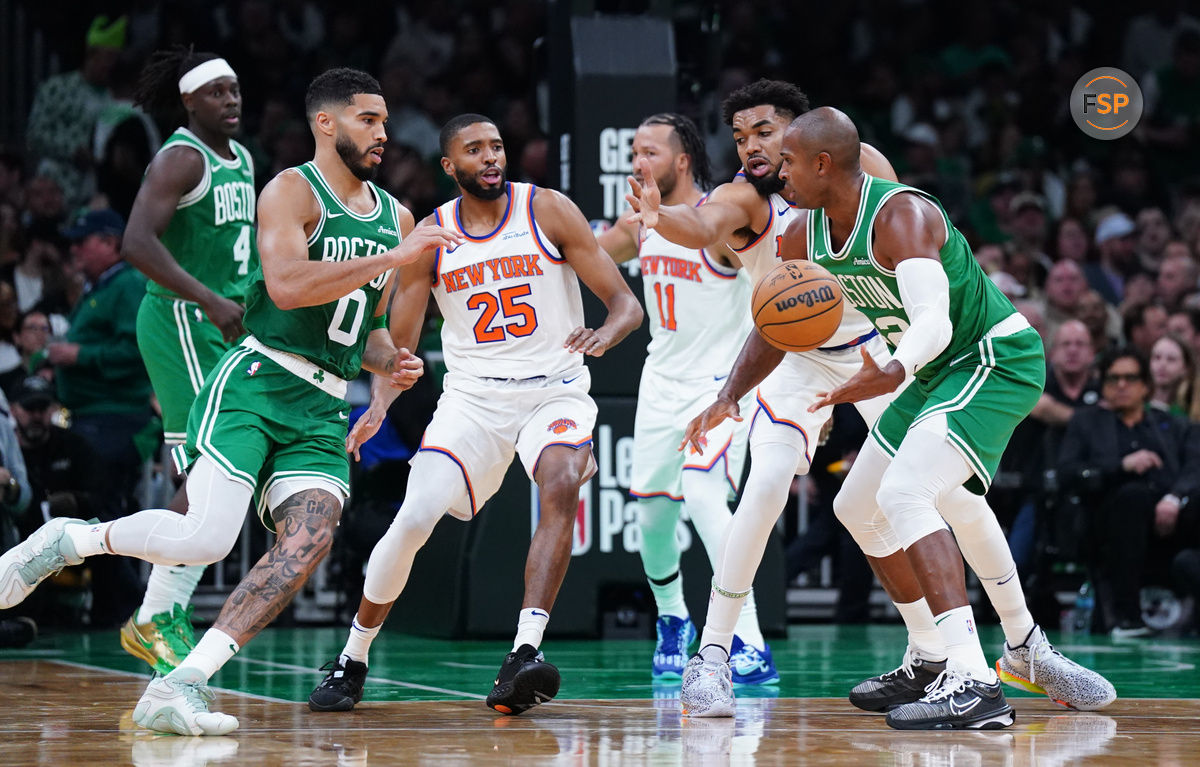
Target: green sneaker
point(41, 555)
point(183, 636)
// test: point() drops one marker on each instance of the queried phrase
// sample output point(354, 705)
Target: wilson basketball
point(797, 306)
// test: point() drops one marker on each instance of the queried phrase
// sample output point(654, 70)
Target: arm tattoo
point(305, 523)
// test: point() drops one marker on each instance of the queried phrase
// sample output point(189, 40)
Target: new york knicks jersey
point(698, 310)
point(211, 234)
point(332, 335)
point(762, 254)
point(509, 299)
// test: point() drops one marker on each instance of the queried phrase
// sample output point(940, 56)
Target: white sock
point(358, 644)
point(714, 653)
point(747, 623)
point(530, 626)
point(212, 652)
point(668, 595)
point(957, 628)
point(1008, 599)
point(88, 539)
point(923, 634)
point(168, 586)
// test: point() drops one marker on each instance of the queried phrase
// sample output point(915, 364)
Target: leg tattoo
point(305, 523)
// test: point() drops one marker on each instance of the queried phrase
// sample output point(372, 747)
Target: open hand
point(870, 381)
point(645, 197)
point(708, 420)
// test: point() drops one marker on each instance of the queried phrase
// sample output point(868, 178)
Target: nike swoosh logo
point(569, 380)
point(332, 215)
point(782, 211)
point(344, 416)
point(1006, 580)
point(959, 710)
point(720, 378)
point(216, 168)
point(538, 612)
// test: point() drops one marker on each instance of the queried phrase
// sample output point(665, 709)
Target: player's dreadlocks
point(787, 99)
point(158, 87)
point(692, 143)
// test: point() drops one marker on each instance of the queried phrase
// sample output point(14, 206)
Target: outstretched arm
point(725, 211)
point(287, 212)
point(569, 231)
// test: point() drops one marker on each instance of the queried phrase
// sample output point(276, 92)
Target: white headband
point(204, 73)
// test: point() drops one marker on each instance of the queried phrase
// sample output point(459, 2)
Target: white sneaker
point(178, 703)
point(707, 689)
point(38, 557)
point(1036, 666)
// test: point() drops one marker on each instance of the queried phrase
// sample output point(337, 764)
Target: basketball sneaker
point(525, 680)
point(341, 688)
point(163, 642)
point(1036, 666)
point(905, 684)
point(178, 703)
point(675, 636)
point(41, 555)
point(707, 689)
point(750, 665)
point(955, 701)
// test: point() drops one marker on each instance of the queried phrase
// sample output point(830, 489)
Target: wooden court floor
point(69, 699)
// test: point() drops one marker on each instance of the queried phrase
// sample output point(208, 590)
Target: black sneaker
point(956, 701)
point(341, 688)
point(895, 688)
point(524, 681)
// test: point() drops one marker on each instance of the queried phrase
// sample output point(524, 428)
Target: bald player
point(968, 368)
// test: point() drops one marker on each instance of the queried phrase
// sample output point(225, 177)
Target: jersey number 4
point(523, 317)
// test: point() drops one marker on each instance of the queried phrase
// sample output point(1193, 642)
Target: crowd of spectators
point(1097, 243)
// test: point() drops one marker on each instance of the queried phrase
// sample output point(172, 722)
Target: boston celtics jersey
point(976, 304)
point(331, 335)
point(211, 234)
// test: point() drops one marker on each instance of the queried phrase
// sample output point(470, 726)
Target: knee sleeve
point(429, 495)
point(978, 534)
point(658, 519)
point(206, 534)
point(856, 506)
point(924, 470)
point(772, 467)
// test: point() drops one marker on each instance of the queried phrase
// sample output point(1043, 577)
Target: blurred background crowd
point(1097, 243)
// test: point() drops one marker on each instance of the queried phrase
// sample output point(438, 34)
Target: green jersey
point(211, 234)
point(333, 335)
point(976, 304)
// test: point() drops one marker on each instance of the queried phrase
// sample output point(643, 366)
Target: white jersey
point(762, 254)
point(698, 310)
point(509, 298)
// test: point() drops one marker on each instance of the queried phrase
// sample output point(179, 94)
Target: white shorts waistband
point(1010, 325)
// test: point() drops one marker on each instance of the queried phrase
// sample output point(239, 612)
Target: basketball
point(797, 306)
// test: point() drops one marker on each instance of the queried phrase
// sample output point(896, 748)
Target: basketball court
point(70, 698)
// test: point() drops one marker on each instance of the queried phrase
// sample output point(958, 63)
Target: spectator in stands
point(1153, 233)
point(65, 109)
point(1135, 467)
point(30, 339)
point(1033, 450)
point(1065, 286)
point(1176, 276)
point(1070, 241)
point(1173, 378)
point(1029, 222)
point(1101, 319)
point(1143, 324)
point(99, 370)
point(1185, 325)
point(1114, 245)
